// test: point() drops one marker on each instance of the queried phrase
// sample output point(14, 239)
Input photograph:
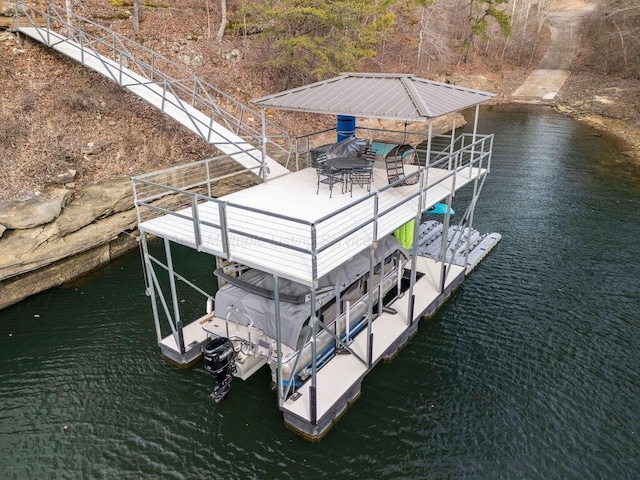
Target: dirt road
point(565, 25)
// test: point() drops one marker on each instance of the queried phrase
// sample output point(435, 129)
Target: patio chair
point(395, 160)
point(326, 175)
point(361, 176)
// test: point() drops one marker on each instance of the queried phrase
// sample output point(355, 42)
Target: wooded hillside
point(55, 115)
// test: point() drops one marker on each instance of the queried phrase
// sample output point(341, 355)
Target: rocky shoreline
point(59, 235)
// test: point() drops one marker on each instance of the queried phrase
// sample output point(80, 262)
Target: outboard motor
point(219, 357)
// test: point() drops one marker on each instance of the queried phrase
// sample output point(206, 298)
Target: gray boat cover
point(260, 311)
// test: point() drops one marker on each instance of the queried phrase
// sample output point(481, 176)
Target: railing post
point(263, 167)
point(490, 154)
point(453, 134)
point(314, 252)
point(224, 234)
point(120, 69)
point(414, 246)
point(164, 93)
point(196, 222)
point(151, 292)
point(372, 261)
point(48, 28)
point(81, 37)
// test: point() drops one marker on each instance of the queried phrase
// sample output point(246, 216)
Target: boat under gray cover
point(249, 307)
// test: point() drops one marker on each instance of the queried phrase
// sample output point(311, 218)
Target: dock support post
point(314, 363)
point(151, 291)
point(336, 328)
point(475, 188)
point(372, 264)
point(445, 244)
point(313, 406)
point(174, 298)
point(453, 138)
point(380, 288)
point(276, 301)
point(414, 245)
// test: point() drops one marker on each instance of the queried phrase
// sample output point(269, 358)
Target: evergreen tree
point(308, 41)
point(480, 13)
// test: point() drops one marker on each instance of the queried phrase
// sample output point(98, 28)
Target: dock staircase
point(217, 118)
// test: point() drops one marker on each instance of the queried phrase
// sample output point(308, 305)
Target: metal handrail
point(461, 159)
point(190, 90)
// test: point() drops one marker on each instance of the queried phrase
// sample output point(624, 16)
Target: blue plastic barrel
point(346, 127)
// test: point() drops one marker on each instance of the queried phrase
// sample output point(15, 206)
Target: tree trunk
point(223, 20)
point(136, 16)
point(67, 6)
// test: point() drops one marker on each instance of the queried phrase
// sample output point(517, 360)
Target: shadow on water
point(531, 370)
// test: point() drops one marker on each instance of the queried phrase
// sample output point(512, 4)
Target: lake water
point(531, 370)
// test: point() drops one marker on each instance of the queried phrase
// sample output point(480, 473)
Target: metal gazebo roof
point(375, 95)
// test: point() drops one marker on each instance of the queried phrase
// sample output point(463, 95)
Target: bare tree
point(615, 32)
point(67, 7)
point(223, 21)
point(136, 16)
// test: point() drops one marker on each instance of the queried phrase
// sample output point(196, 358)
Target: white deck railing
point(304, 249)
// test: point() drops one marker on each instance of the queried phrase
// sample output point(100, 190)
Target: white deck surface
point(342, 372)
point(294, 196)
point(153, 93)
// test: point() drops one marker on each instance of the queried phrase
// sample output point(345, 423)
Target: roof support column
point(453, 138)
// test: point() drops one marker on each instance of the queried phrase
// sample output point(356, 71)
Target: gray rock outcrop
point(36, 211)
point(55, 237)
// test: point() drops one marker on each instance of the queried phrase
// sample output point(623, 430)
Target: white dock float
point(194, 337)
point(338, 382)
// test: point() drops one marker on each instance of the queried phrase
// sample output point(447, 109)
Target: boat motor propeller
point(219, 357)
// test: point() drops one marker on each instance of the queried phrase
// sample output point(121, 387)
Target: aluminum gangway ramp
point(225, 129)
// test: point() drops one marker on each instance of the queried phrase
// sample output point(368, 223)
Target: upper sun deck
point(282, 226)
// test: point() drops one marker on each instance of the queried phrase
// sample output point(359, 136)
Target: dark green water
point(531, 370)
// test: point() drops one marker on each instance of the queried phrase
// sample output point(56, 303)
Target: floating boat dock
point(316, 283)
point(301, 236)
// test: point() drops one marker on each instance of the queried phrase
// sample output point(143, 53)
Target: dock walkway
point(226, 130)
